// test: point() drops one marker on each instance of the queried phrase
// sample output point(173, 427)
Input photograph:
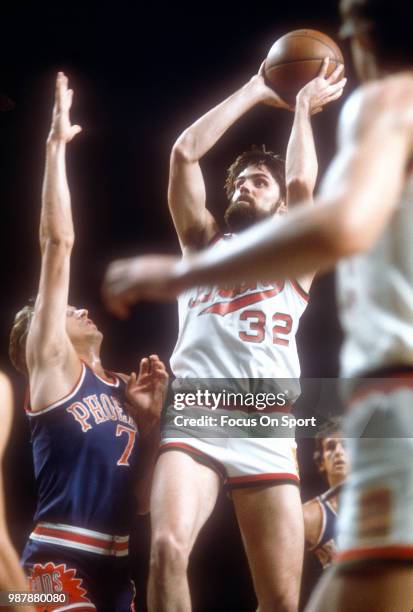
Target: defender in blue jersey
point(320, 513)
point(87, 448)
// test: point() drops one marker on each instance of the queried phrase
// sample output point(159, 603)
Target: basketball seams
point(322, 42)
point(302, 61)
point(333, 50)
point(318, 40)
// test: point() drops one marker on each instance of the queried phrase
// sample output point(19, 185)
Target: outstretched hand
point(127, 281)
point(61, 129)
point(145, 393)
point(322, 89)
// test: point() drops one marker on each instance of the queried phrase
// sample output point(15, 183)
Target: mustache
point(245, 198)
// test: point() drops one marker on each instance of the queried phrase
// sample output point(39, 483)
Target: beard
point(242, 214)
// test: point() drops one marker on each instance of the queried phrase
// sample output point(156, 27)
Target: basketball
point(296, 58)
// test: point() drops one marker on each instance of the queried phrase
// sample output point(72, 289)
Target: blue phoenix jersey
point(325, 548)
point(85, 457)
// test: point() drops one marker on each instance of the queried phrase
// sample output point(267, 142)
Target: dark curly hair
point(329, 429)
point(257, 156)
point(18, 336)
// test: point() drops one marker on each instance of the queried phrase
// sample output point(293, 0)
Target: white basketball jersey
point(244, 331)
point(375, 297)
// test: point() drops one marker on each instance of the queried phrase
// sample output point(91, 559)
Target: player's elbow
point(57, 244)
point(299, 190)
point(184, 149)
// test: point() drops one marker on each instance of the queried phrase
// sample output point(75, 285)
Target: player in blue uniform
point(320, 513)
point(86, 447)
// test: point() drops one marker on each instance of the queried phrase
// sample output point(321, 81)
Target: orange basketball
point(296, 58)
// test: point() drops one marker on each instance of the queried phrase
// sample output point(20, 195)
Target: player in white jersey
point(364, 214)
point(243, 331)
point(242, 317)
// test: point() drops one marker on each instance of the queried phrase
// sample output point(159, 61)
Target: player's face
point(256, 196)
point(78, 325)
point(335, 460)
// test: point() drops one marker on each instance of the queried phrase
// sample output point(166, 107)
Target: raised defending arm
point(48, 345)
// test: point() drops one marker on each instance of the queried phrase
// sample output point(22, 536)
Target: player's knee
point(169, 553)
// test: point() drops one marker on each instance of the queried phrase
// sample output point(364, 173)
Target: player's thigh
point(184, 493)
point(271, 524)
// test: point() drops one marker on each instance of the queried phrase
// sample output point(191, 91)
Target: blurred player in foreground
point(12, 577)
point(89, 453)
point(249, 332)
point(320, 513)
point(365, 216)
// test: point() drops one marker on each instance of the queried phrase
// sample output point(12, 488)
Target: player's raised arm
point(301, 164)
point(47, 343)
point(369, 168)
point(301, 159)
point(187, 201)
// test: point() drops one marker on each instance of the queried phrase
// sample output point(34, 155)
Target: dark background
point(141, 74)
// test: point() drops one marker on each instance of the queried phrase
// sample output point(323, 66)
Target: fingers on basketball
point(334, 76)
point(324, 67)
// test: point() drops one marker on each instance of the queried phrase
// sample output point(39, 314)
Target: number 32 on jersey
point(257, 320)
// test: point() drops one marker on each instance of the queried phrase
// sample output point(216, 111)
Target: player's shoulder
point(123, 377)
point(387, 96)
point(376, 104)
point(312, 508)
